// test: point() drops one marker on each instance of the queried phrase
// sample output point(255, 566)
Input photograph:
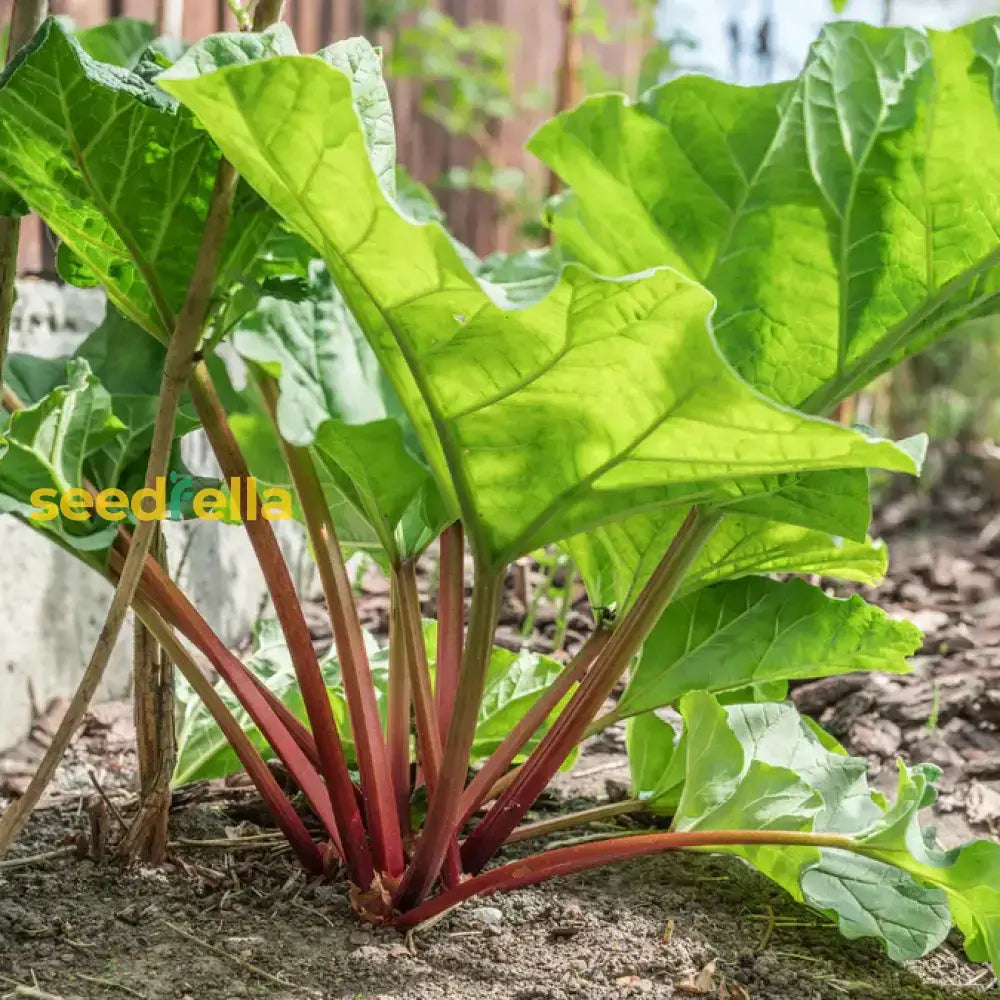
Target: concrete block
point(52, 607)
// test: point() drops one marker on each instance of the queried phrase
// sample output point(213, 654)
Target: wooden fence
point(425, 147)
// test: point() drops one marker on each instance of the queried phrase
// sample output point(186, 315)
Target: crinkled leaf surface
point(362, 64)
point(843, 220)
point(519, 410)
point(969, 875)
point(129, 366)
point(727, 789)
point(119, 171)
point(755, 631)
point(734, 768)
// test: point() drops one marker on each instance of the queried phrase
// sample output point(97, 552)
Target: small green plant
point(740, 261)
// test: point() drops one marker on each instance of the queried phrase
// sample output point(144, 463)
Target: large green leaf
point(969, 875)
point(843, 220)
point(119, 171)
point(46, 446)
point(746, 767)
point(334, 399)
point(518, 410)
point(758, 631)
point(616, 559)
point(727, 789)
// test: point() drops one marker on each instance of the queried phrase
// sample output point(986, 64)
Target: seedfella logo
point(168, 500)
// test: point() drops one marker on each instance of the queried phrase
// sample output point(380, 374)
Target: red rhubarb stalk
point(373, 763)
point(428, 730)
point(443, 814)
point(580, 857)
point(610, 664)
point(398, 712)
point(451, 613)
point(293, 624)
point(172, 605)
point(479, 789)
point(288, 820)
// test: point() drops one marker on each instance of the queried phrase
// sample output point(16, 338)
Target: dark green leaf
point(120, 41)
point(46, 446)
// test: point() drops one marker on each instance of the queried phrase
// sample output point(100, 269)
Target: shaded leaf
point(119, 171)
point(46, 445)
point(120, 41)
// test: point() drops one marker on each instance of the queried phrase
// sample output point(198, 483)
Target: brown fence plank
point(85, 13)
point(423, 145)
point(145, 9)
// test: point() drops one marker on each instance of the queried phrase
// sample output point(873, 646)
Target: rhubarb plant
point(650, 395)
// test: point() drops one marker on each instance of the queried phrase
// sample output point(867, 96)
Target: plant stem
point(479, 789)
point(398, 713)
point(153, 711)
point(25, 20)
point(373, 764)
point(266, 13)
point(173, 606)
point(568, 89)
point(428, 729)
point(180, 614)
point(580, 857)
point(293, 625)
point(529, 831)
point(285, 815)
point(180, 354)
point(451, 614)
point(610, 664)
point(443, 814)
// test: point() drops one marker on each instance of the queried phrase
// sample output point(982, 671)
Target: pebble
point(489, 915)
point(329, 896)
point(369, 956)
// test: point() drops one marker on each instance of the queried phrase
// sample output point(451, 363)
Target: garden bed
point(214, 924)
point(227, 923)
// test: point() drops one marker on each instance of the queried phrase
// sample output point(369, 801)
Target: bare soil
point(233, 919)
point(215, 924)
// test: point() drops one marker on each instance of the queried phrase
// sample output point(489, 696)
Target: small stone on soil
point(489, 915)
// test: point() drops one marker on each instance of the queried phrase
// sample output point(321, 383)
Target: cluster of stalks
point(393, 868)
